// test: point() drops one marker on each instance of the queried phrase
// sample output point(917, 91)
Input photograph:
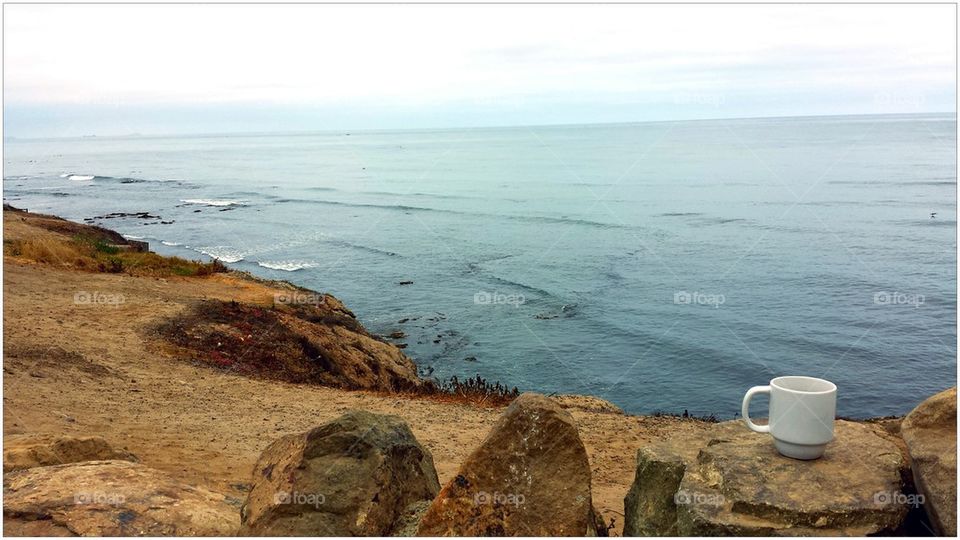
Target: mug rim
point(778, 380)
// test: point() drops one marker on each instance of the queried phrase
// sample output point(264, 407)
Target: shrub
point(476, 390)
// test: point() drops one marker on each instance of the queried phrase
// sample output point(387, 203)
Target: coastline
point(93, 358)
point(96, 368)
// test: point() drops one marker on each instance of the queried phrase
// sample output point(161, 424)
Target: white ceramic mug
point(802, 410)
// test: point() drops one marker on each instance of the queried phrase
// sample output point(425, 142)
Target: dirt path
point(75, 368)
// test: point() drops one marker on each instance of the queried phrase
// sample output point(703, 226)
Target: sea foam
point(214, 202)
point(287, 266)
point(225, 254)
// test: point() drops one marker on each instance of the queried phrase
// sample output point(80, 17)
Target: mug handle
point(745, 410)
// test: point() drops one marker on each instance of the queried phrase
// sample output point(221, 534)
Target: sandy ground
point(94, 369)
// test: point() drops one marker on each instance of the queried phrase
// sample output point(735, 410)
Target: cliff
point(103, 340)
point(196, 370)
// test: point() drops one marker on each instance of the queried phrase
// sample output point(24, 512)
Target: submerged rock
point(529, 477)
point(28, 451)
point(355, 476)
point(736, 483)
point(930, 432)
point(110, 498)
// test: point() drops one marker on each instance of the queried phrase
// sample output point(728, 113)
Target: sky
point(74, 70)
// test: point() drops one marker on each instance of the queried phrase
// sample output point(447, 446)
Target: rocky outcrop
point(529, 477)
point(930, 432)
point(110, 498)
point(28, 451)
point(355, 476)
point(733, 482)
point(304, 337)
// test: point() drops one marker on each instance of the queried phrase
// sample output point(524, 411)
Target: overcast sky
point(117, 69)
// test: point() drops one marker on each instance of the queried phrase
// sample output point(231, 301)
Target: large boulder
point(355, 476)
point(110, 498)
point(735, 483)
point(28, 451)
point(529, 477)
point(930, 432)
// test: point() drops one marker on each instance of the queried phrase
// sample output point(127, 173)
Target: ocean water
point(662, 266)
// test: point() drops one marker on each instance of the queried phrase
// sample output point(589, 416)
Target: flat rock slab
point(111, 498)
point(735, 483)
point(28, 451)
point(930, 432)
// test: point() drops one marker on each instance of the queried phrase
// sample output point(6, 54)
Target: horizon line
point(349, 131)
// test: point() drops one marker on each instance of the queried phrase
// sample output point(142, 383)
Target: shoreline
point(85, 366)
point(76, 367)
point(143, 245)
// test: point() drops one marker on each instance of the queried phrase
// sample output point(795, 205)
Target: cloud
point(418, 57)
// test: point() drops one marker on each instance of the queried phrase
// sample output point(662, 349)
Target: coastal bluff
point(110, 409)
point(88, 352)
point(273, 330)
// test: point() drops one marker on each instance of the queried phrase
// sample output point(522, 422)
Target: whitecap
point(225, 254)
point(171, 244)
point(287, 266)
point(132, 237)
point(80, 177)
point(214, 202)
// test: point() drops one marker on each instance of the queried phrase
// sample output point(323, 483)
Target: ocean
point(663, 266)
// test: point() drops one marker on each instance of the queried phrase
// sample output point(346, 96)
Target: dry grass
point(47, 251)
point(92, 254)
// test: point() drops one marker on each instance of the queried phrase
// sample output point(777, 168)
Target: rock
point(28, 451)
point(410, 520)
point(586, 403)
point(306, 338)
point(930, 432)
point(111, 498)
point(529, 477)
point(649, 507)
point(735, 483)
point(355, 476)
